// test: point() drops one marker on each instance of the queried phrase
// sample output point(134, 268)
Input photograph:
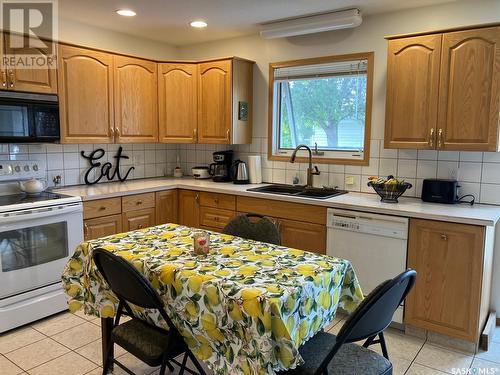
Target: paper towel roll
point(255, 169)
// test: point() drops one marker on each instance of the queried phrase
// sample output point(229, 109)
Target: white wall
point(90, 36)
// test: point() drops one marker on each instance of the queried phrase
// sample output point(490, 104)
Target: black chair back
point(375, 312)
point(263, 230)
point(127, 283)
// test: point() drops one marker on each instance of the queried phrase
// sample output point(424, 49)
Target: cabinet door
point(215, 217)
point(30, 80)
point(304, 236)
point(469, 92)
point(166, 207)
point(448, 259)
point(412, 92)
point(102, 226)
point(214, 102)
point(138, 219)
point(189, 208)
point(135, 100)
point(85, 81)
point(177, 98)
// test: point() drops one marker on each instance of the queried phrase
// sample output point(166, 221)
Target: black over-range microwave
point(26, 117)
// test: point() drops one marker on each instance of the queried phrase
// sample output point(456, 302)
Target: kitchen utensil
point(239, 172)
point(221, 169)
point(255, 169)
point(33, 186)
point(439, 191)
point(200, 172)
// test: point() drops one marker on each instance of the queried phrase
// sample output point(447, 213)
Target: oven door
point(35, 245)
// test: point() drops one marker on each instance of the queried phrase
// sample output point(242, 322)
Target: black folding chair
point(326, 353)
point(263, 230)
point(151, 344)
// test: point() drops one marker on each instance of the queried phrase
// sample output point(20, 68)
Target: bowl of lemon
point(389, 189)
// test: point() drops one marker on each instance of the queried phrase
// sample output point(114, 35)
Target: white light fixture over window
point(312, 24)
point(126, 12)
point(199, 24)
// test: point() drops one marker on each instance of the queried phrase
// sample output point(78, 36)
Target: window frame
point(302, 155)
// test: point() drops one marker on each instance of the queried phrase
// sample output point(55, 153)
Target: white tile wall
point(149, 160)
point(478, 173)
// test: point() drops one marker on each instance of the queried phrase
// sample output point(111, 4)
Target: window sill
point(321, 160)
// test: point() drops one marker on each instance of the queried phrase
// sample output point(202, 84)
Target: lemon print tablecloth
point(243, 309)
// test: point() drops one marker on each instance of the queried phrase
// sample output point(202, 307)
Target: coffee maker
point(220, 170)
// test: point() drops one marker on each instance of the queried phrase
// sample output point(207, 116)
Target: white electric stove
point(38, 234)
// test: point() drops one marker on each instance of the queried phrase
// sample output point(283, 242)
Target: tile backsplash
point(149, 160)
point(478, 173)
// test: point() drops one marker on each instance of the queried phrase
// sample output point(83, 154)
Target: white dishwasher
point(374, 244)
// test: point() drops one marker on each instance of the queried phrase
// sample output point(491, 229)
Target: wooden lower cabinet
point(448, 258)
point(166, 206)
point(304, 236)
point(138, 219)
point(102, 226)
point(189, 208)
point(215, 218)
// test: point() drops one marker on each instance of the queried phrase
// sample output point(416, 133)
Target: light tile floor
point(69, 344)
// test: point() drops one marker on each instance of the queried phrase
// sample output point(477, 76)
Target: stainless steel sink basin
point(299, 191)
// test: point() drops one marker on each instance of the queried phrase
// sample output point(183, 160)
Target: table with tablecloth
point(244, 308)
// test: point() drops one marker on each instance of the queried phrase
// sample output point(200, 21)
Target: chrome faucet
point(310, 170)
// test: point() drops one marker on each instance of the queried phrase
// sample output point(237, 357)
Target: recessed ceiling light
point(126, 12)
point(198, 24)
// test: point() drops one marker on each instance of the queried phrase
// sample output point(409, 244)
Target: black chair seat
point(351, 359)
point(148, 343)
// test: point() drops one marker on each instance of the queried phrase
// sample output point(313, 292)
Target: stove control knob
point(35, 167)
point(17, 168)
point(26, 168)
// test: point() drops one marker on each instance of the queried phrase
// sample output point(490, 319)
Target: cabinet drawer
point(138, 201)
point(224, 201)
point(283, 210)
point(102, 207)
point(215, 217)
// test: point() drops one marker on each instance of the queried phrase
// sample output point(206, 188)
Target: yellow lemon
point(296, 252)
point(245, 368)
point(306, 269)
point(250, 293)
point(175, 252)
point(279, 328)
point(192, 309)
point(303, 329)
point(222, 273)
point(212, 295)
point(273, 288)
point(290, 323)
point(107, 311)
point(227, 250)
point(73, 290)
point(188, 337)
point(177, 284)
point(208, 321)
point(266, 320)
point(75, 265)
point(286, 357)
point(195, 282)
point(74, 306)
point(216, 334)
point(168, 235)
point(248, 270)
point(290, 303)
point(325, 299)
point(167, 273)
point(204, 352)
point(252, 307)
point(267, 263)
point(308, 306)
point(235, 311)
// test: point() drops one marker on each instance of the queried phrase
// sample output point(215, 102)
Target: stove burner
point(6, 200)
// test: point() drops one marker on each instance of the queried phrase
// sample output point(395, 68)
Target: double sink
point(299, 191)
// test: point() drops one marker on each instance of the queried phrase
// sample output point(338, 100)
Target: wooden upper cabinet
point(215, 102)
point(36, 80)
point(412, 92)
point(448, 258)
point(469, 92)
point(135, 100)
point(177, 99)
point(85, 81)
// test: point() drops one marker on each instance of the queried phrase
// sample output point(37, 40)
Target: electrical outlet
point(349, 180)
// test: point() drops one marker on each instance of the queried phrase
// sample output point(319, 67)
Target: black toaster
point(440, 191)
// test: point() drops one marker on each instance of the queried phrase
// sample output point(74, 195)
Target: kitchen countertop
point(479, 214)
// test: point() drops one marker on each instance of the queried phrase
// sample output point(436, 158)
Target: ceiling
point(168, 20)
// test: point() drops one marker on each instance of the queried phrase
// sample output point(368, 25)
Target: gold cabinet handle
point(431, 138)
point(85, 230)
point(197, 198)
point(140, 226)
point(112, 132)
point(102, 208)
point(4, 78)
point(444, 237)
point(227, 135)
point(12, 80)
point(440, 138)
point(139, 203)
point(117, 132)
point(195, 135)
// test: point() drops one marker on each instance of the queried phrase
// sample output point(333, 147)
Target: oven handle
point(38, 213)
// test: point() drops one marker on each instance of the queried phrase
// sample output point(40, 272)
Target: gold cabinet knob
point(444, 237)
